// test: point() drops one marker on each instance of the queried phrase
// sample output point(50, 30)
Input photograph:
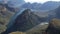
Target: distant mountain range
point(15, 3)
point(50, 5)
point(57, 12)
point(31, 6)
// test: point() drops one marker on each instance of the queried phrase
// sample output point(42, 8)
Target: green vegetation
point(5, 19)
point(5, 16)
point(35, 30)
point(40, 29)
point(2, 28)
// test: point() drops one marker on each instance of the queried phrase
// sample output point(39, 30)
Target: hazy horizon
point(40, 1)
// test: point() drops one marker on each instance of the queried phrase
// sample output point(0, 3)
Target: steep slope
point(23, 21)
point(54, 26)
point(39, 29)
point(44, 16)
point(5, 16)
point(55, 12)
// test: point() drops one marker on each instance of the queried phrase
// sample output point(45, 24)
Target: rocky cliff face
point(5, 16)
point(24, 21)
point(54, 26)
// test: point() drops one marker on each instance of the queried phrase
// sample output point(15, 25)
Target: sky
point(40, 1)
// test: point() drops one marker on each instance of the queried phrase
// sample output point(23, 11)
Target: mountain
point(5, 16)
point(39, 29)
point(22, 21)
point(25, 20)
point(48, 15)
point(55, 13)
point(3, 1)
point(15, 3)
point(50, 5)
point(12, 5)
point(54, 22)
point(54, 26)
point(31, 6)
